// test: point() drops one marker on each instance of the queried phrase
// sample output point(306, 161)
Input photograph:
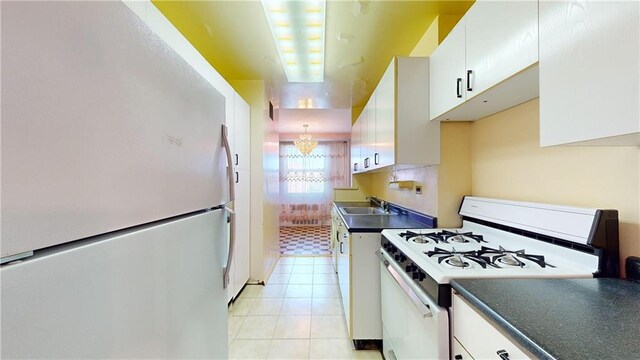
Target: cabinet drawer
point(458, 352)
point(479, 337)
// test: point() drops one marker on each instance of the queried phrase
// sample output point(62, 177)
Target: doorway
point(306, 194)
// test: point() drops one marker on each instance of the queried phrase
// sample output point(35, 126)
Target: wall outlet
point(418, 189)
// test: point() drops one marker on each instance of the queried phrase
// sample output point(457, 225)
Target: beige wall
point(264, 179)
point(443, 186)
point(507, 162)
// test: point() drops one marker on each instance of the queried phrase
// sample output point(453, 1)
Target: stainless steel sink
point(363, 211)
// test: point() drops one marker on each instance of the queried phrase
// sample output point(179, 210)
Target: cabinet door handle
point(459, 87)
point(355, 166)
point(469, 72)
point(504, 355)
point(458, 357)
point(237, 177)
point(341, 248)
point(376, 159)
point(236, 159)
point(366, 163)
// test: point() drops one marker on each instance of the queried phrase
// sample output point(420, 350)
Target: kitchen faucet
point(381, 203)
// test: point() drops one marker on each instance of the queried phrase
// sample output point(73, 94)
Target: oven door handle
point(395, 272)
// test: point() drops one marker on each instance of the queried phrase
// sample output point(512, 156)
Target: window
point(305, 174)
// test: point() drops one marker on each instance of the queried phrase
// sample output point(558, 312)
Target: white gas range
point(498, 239)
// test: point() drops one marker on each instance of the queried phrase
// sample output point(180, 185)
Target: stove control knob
point(409, 268)
point(403, 258)
point(418, 275)
point(392, 249)
point(397, 257)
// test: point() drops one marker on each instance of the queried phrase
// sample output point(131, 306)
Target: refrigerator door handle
point(230, 172)
point(232, 244)
point(232, 196)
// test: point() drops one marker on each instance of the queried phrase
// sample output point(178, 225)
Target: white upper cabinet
point(487, 63)
point(242, 138)
point(501, 40)
point(385, 119)
point(447, 72)
point(589, 72)
point(393, 129)
point(356, 159)
point(368, 133)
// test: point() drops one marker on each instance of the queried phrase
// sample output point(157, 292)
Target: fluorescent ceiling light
point(298, 28)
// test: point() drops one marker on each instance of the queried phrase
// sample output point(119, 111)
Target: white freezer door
point(104, 126)
point(153, 293)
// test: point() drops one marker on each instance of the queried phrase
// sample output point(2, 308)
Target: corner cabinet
point(487, 63)
point(238, 122)
point(393, 128)
point(589, 73)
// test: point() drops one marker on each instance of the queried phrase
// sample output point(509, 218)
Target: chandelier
point(305, 145)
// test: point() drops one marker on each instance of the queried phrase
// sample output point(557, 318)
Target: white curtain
point(307, 182)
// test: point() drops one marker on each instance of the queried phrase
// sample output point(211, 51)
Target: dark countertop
point(377, 223)
point(562, 318)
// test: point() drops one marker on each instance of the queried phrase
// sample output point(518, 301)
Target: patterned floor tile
point(305, 240)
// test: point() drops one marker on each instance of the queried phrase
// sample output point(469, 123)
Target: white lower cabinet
point(458, 352)
point(359, 282)
point(474, 337)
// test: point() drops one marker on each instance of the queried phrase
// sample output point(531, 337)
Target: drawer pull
point(458, 357)
point(504, 355)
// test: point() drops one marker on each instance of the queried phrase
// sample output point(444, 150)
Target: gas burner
point(456, 258)
point(457, 237)
point(456, 261)
point(420, 238)
point(511, 258)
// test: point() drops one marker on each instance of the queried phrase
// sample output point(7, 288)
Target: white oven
point(417, 265)
point(413, 325)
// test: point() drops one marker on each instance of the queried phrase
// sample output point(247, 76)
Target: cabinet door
point(589, 71)
point(356, 160)
point(447, 72)
point(385, 118)
point(501, 40)
point(242, 249)
point(481, 339)
point(344, 259)
point(242, 148)
point(230, 121)
point(370, 132)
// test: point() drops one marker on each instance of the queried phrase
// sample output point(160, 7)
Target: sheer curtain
point(307, 182)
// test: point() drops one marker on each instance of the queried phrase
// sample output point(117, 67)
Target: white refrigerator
point(115, 188)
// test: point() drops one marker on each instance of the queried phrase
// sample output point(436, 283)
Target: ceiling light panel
point(298, 29)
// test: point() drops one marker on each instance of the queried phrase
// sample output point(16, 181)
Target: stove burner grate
point(420, 238)
point(457, 237)
point(456, 258)
point(510, 258)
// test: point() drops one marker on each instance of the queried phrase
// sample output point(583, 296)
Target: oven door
point(414, 326)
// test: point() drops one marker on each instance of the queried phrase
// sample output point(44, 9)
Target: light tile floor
point(298, 315)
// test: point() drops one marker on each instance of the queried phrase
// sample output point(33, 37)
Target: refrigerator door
point(153, 293)
point(104, 126)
